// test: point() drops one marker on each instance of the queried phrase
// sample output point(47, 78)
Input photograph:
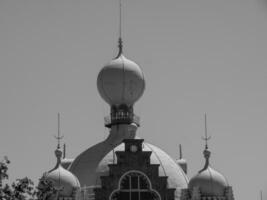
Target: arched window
point(134, 185)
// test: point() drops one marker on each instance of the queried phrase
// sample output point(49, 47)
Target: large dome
point(121, 81)
point(210, 182)
point(167, 167)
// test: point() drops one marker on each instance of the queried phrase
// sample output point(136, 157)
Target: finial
point(120, 21)
point(181, 153)
point(261, 194)
point(58, 137)
point(206, 151)
point(206, 138)
point(120, 30)
point(58, 151)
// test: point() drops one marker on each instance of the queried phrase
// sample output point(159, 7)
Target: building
point(124, 166)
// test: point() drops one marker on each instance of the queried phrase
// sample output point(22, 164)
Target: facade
point(124, 167)
point(134, 177)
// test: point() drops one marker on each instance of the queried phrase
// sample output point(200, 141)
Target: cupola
point(62, 180)
point(121, 83)
point(209, 181)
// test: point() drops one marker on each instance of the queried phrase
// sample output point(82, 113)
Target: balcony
point(121, 118)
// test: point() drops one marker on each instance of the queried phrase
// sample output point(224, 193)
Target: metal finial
point(206, 138)
point(120, 21)
point(181, 153)
point(58, 137)
point(120, 45)
point(206, 151)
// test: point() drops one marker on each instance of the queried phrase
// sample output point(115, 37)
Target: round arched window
point(135, 185)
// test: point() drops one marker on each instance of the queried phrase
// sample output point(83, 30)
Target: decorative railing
point(121, 118)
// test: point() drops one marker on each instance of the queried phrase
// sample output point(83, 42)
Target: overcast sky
point(197, 55)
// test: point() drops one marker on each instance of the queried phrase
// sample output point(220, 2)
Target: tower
point(121, 83)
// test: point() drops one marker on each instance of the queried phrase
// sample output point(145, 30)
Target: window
point(134, 185)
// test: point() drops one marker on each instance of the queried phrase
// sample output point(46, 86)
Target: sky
point(198, 56)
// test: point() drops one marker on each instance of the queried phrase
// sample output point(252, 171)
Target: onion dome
point(121, 81)
point(63, 180)
point(209, 181)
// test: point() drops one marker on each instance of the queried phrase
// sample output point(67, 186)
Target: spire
point(58, 151)
point(206, 152)
point(206, 138)
point(180, 151)
point(120, 45)
point(59, 136)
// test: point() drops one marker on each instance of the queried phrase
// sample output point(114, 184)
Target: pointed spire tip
point(120, 45)
point(59, 136)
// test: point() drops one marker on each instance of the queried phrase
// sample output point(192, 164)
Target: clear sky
point(197, 55)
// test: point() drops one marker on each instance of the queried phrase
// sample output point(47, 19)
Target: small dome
point(121, 81)
point(209, 182)
point(62, 178)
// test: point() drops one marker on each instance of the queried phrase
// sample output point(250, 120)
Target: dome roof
point(121, 81)
point(167, 166)
point(62, 178)
point(209, 181)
